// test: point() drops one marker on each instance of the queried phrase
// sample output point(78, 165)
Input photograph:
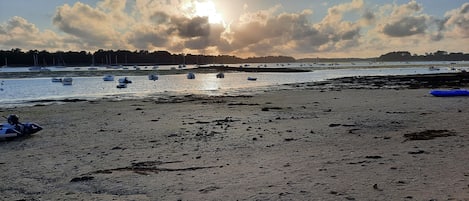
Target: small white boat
point(252, 78)
point(220, 75)
point(56, 79)
point(190, 75)
point(153, 77)
point(121, 85)
point(108, 78)
point(124, 80)
point(67, 81)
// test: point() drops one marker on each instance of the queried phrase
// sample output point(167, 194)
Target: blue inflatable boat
point(450, 92)
point(16, 129)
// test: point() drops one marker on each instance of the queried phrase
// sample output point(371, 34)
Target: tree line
point(436, 56)
point(17, 57)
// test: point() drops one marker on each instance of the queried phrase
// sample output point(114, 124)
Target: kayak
point(450, 92)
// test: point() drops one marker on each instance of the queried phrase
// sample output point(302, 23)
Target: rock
point(84, 178)
point(374, 157)
point(428, 134)
point(417, 152)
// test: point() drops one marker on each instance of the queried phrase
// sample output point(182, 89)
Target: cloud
point(146, 37)
point(18, 32)
point(458, 22)
point(268, 32)
point(191, 27)
point(405, 20)
point(406, 26)
point(347, 28)
point(93, 27)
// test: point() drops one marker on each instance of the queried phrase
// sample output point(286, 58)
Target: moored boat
point(121, 85)
point(220, 75)
point(56, 79)
point(108, 78)
point(190, 75)
point(67, 81)
point(125, 80)
point(153, 77)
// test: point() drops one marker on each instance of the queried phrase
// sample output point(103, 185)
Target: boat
point(153, 77)
point(108, 78)
point(252, 78)
point(6, 63)
point(433, 68)
point(220, 75)
point(125, 80)
point(16, 129)
point(450, 92)
point(121, 85)
point(56, 79)
point(38, 69)
point(67, 81)
point(190, 75)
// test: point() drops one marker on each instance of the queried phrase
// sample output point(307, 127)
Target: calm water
point(14, 92)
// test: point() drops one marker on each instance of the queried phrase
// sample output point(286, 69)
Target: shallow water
point(17, 92)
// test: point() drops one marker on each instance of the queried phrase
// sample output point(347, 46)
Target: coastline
point(343, 139)
point(96, 73)
point(212, 69)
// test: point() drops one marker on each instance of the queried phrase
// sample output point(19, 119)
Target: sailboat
point(183, 65)
point(36, 67)
point(6, 63)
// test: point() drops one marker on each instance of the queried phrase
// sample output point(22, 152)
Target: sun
point(208, 9)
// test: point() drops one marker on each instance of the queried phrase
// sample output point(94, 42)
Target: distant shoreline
point(205, 69)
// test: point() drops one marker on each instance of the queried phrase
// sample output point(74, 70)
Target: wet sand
point(338, 140)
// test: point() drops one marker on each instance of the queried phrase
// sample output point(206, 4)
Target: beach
point(323, 141)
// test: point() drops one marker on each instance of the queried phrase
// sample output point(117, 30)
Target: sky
point(243, 28)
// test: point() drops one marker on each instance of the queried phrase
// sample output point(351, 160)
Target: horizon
point(305, 29)
point(251, 57)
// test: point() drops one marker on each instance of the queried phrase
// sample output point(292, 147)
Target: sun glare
point(207, 9)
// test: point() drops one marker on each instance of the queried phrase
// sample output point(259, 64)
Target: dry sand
point(299, 144)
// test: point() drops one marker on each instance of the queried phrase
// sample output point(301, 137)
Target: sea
point(15, 92)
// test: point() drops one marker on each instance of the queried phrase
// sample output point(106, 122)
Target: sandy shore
point(298, 144)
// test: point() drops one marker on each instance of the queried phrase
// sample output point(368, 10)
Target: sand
point(297, 144)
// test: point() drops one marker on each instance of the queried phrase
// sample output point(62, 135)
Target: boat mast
point(35, 60)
